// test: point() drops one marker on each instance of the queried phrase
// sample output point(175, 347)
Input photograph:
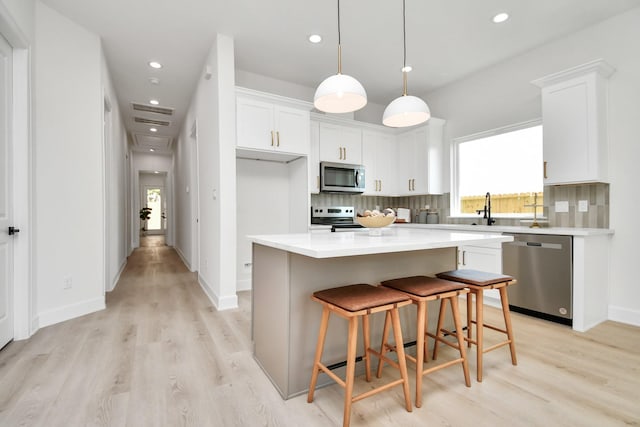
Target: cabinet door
point(405, 162)
point(292, 130)
point(420, 177)
point(314, 158)
point(565, 134)
point(254, 124)
point(369, 155)
point(386, 165)
point(481, 258)
point(340, 144)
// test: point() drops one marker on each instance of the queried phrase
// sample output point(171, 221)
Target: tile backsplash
point(594, 196)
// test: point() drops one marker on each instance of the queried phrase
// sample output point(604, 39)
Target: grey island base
point(287, 269)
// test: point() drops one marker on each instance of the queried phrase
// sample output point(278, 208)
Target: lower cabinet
point(483, 258)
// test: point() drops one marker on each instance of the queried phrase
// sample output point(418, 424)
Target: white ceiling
point(446, 40)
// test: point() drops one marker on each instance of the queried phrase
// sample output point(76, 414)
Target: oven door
point(341, 178)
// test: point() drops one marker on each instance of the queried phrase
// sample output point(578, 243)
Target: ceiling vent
point(152, 109)
point(151, 122)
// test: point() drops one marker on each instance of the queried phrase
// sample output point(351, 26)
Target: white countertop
point(563, 231)
point(393, 239)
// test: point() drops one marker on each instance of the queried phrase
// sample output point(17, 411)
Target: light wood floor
point(160, 355)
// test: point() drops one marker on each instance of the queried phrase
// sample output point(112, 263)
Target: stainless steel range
point(339, 217)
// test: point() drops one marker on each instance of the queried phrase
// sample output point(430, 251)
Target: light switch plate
point(562, 206)
point(583, 206)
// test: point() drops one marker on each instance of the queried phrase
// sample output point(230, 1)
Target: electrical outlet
point(562, 206)
point(583, 206)
point(67, 283)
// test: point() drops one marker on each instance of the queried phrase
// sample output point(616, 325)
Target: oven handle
point(357, 178)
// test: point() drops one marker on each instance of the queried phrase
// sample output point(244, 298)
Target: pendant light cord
point(404, 34)
point(339, 43)
point(404, 43)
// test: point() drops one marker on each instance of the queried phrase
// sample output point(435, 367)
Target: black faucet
point(487, 209)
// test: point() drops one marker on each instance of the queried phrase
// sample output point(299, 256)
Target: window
point(507, 163)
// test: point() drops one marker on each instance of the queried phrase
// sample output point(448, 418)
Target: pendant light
point(340, 93)
point(406, 110)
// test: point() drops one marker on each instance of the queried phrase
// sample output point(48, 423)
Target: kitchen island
point(288, 268)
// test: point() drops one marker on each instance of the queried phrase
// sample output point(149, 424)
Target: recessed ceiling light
point(406, 68)
point(154, 102)
point(153, 130)
point(500, 17)
point(154, 80)
point(156, 172)
point(152, 150)
point(315, 38)
point(154, 64)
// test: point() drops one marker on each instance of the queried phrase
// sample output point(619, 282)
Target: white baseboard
point(220, 303)
point(71, 311)
point(183, 258)
point(115, 281)
point(243, 285)
point(624, 315)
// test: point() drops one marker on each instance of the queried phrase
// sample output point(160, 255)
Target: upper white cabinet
point(314, 158)
point(379, 154)
point(268, 123)
point(574, 123)
point(340, 144)
point(419, 160)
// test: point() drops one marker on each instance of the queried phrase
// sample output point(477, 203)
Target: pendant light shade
point(340, 93)
point(406, 110)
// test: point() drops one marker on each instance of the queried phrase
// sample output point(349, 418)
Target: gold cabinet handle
point(278, 138)
point(318, 182)
point(409, 185)
point(272, 138)
point(340, 148)
point(345, 153)
point(545, 170)
point(380, 181)
point(413, 184)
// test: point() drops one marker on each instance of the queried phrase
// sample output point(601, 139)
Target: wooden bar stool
point(478, 282)
point(421, 290)
point(352, 302)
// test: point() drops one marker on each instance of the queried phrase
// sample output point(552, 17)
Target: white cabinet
point(574, 124)
point(314, 158)
point(419, 157)
point(269, 126)
point(483, 258)
point(340, 144)
point(379, 153)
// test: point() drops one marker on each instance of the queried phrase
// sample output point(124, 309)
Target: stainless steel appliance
point(338, 217)
point(543, 266)
point(341, 178)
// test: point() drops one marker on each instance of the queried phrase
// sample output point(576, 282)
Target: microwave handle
point(357, 178)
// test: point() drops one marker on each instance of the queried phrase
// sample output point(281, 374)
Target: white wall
point(68, 168)
point(117, 226)
point(22, 14)
point(213, 107)
point(502, 95)
point(185, 194)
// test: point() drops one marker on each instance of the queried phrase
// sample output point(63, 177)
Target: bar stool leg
point(443, 304)
point(504, 299)
point(455, 308)
point(479, 332)
point(469, 318)
point(367, 345)
point(324, 323)
point(383, 347)
point(402, 361)
point(420, 349)
point(351, 369)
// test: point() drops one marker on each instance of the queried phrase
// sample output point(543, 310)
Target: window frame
point(455, 172)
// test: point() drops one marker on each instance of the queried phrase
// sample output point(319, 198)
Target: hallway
point(160, 355)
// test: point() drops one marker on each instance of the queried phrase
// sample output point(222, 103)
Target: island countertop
point(393, 239)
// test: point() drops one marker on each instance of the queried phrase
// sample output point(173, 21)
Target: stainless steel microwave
point(341, 178)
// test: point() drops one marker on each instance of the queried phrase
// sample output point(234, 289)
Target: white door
point(154, 198)
point(6, 247)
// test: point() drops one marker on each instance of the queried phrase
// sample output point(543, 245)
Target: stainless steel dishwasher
point(543, 266)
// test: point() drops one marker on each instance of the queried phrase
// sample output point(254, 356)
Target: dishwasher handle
point(542, 245)
point(534, 244)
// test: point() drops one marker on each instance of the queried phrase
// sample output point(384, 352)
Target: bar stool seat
point(421, 290)
point(477, 282)
point(351, 303)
